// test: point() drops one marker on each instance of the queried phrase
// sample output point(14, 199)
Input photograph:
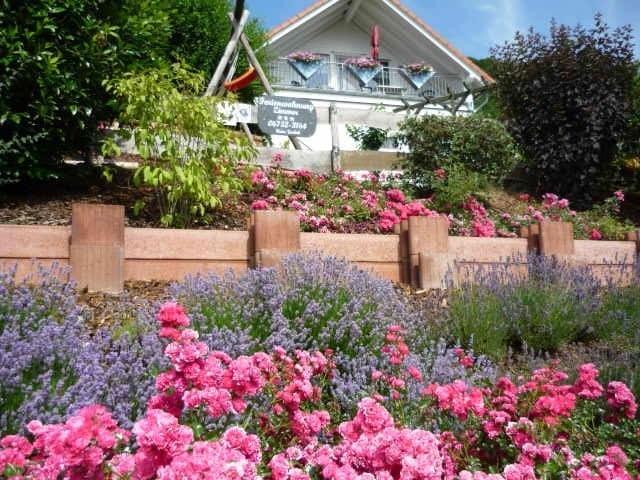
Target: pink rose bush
point(343, 204)
point(272, 416)
point(334, 203)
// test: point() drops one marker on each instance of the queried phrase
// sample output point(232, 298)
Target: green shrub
point(368, 138)
point(566, 98)
point(480, 145)
point(188, 155)
point(55, 56)
point(58, 55)
point(453, 186)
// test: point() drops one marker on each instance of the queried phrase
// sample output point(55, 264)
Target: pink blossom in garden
point(297, 206)
point(387, 220)
point(303, 174)
point(440, 173)
point(549, 199)
point(307, 425)
point(259, 205)
point(209, 460)
point(160, 438)
point(619, 194)
point(621, 400)
point(595, 234)
point(370, 199)
point(15, 449)
point(518, 471)
point(277, 158)
point(586, 385)
point(538, 216)
point(260, 179)
point(498, 419)
point(76, 448)
point(458, 398)
point(395, 195)
point(483, 227)
point(171, 317)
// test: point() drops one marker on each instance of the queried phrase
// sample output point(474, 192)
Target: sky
point(474, 26)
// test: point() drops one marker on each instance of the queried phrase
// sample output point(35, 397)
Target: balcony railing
point(338, 78)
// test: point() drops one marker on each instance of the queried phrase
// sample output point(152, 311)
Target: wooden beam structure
point(353, 8)
point(451, 102)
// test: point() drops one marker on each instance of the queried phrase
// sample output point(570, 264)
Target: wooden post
point(634, 237)
point(556, 238)
point(228, 52)
point(532, 234)
point(402, 229)
point(428, 240)
point(97, 247)
point(275, 233)
point(335, 138)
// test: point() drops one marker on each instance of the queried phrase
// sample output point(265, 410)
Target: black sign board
point(286, 116)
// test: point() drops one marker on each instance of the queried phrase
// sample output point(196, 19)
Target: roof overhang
point(349, 9)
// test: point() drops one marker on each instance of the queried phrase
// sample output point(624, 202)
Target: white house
point(337, 30)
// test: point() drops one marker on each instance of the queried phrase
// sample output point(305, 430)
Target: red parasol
point(375, 42)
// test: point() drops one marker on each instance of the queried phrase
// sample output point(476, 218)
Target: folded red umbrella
point(375, 42)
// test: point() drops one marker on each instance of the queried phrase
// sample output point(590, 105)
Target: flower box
point(418, 74)
point(306, 68)
point(364, 68)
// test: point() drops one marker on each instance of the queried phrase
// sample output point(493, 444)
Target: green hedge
point(476, 144)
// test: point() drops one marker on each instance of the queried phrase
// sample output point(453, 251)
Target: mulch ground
point(103, 309)
point(50, 203)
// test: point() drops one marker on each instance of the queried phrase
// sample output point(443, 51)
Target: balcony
point(338, 78)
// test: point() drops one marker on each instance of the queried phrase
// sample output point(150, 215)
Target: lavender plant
point(51, 365)
point(313, 302)
point(552, 306)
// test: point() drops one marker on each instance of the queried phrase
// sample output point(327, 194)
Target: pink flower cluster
point(326, 204)
point(520, 430)
point(481, 224)
point(76, 449)
point(199, 378)
point(372, 447)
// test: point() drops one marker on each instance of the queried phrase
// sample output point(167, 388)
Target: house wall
point(352, 110)
point(353, 38)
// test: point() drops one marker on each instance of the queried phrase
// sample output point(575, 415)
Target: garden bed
point(320, 362)
point(335, 203)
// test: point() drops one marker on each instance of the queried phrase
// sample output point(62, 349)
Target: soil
point(103, 309)
point(49, 203)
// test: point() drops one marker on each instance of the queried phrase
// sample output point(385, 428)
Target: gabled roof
point(301, 16)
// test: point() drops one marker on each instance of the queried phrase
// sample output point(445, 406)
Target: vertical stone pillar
point(556, 238)
point(428, 239)
point(97, 247)
point(274, 234)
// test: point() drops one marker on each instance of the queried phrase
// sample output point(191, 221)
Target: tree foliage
point(188, 156)
point(200, 30)
point(56, 56)
point(566, 101)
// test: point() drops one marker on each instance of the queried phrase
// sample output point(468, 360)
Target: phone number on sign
point(287, 124)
